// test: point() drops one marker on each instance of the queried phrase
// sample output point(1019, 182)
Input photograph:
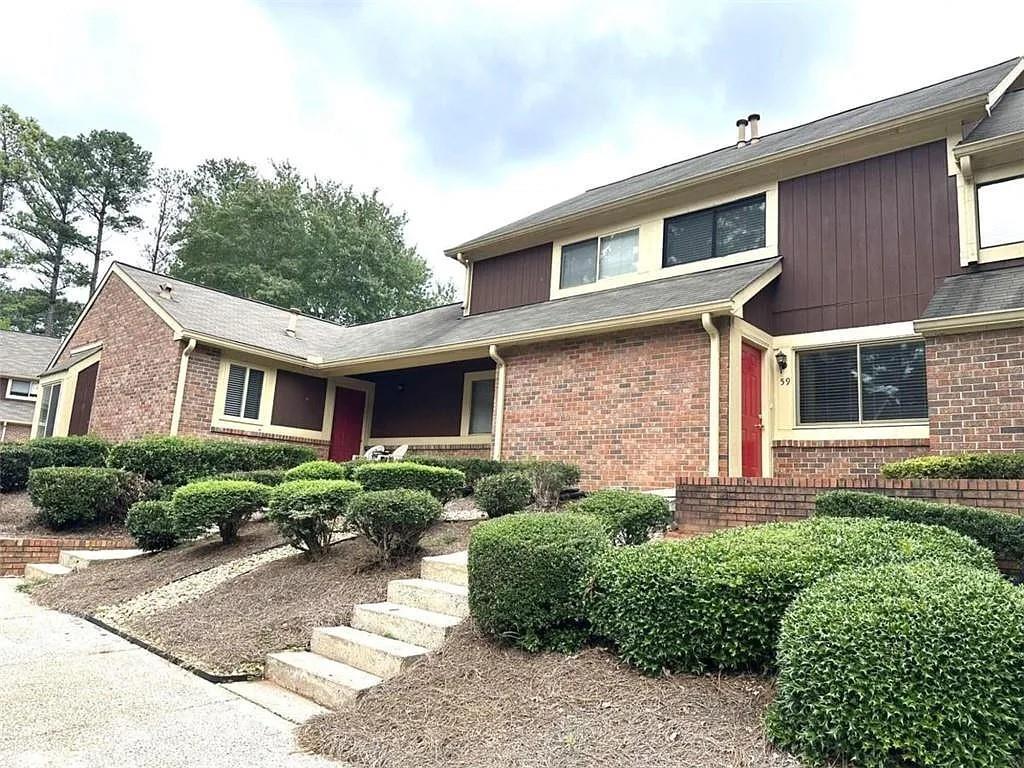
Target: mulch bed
point(477, 704)
point(18, 518)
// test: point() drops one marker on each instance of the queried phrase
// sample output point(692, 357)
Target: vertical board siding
point(866, 243)
point(512, 280)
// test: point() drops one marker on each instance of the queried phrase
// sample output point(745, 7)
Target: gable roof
point(972, 86)
point(25, 354)
point(977, 293)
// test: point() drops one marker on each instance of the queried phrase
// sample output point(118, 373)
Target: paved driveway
point(75, 696)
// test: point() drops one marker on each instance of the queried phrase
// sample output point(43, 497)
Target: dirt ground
point(17, 518)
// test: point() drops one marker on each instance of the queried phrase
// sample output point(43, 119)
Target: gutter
point(499, 403)
point(179, 393)
point(975, 321)
point(713, 393)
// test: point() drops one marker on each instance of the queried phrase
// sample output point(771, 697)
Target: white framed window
point(48, 410)
point(22, 389)
point(243, 393)
point(478, 403)
point(1001, 212)
point(588, 261)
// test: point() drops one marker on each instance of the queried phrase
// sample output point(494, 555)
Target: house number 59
point(784, 381)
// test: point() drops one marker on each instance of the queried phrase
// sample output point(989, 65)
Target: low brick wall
point(705, 504)
point(841, 458)
point(17, 552)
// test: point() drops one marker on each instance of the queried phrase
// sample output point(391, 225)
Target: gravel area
point(18, 518)
point(463, 509)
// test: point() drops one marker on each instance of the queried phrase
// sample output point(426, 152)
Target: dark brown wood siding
point(865, 243)
point(421, 402)
point(81, 407)
point(512, 280)
point(299, 401)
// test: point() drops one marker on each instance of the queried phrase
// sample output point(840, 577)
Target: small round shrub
point(715, 602)
point(549, 479)
point(319, 470)
point(503, 494)
point(527, 575)
point(393, 520)
point(443, 483)
point(628, 517)
point(75, 496)
point(903, 665)
point(270, 477)
point(152, 525)
point(15, 463)
point(74, 451)
point(222, 503)
point(307, 512)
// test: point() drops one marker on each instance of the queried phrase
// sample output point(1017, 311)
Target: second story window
point(1000, 209)
point(725, 229)
point(21, 389)
point(591, 260)
point(244, 392)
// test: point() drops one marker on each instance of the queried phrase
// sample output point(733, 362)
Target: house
point(22, 357)
point(812, 301)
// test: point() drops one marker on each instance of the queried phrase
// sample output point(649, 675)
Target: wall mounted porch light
point(781, 360)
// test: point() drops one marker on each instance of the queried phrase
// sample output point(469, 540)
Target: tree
point(25, 310)
point(305, 243)
point(13, 129)
point(169, 193)
point(115, 174)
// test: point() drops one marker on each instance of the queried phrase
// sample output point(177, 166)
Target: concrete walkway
point(75, 696)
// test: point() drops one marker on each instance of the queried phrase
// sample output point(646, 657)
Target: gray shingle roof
point(972, 85)
point(19, 411)
point(25, 354)
point(994, 291)
point(1007, 117)
point(72, 359)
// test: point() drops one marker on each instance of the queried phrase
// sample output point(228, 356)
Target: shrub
point(504, 494)
point(73, 496)
point(628, 517)
point(393, 520)
point(222, 503)
point(74, 451)
point(549, 479)
point(15, 463)
point(152, 525)
point(443, 483)
point(904, 665)
point(1002, 532)
point(320, 470)
point(966, 466)
point(270, 477)
point(305, 511)
point(526, 577)
point(472, 467)
point(715, 602)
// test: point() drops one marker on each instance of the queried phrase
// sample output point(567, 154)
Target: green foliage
point(320, 470)
point(15, 463)
point(72, 496)
point(1002, 532)
point(26, 310)
point(903, 665)
point(153, 525)
point(443, 483)
point(222, 503)
point(75, 451)
point(472, 467)
point(504, 493)
point(269, 477)
point(965, 466)
point(306, 511)
point(628, 517)
point(715, 602)
point(549, 479)
point(527, 575)
point(393, 520)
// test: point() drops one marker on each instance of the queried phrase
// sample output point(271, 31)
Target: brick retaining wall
point(17, 552)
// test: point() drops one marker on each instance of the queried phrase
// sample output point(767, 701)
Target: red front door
point(347, 432)
point(751, 426)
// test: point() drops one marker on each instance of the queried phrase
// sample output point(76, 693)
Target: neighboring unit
point(22, 357)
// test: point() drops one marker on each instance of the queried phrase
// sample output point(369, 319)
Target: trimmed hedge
point(393, 520)
point(152, 524)
point(504, 494)
point(305, 512)
point(715, 602)
point(549, 479)
point(443, 483)
point(904, 665)
point(222, 503)
point(1002, 532)
point(270, 477)
point(15, 463)
point(74, 496)
point(629, 517)
point(965, 466)
point(527, 574)
point(74, 451)
point(320, 470)
point(472, 467)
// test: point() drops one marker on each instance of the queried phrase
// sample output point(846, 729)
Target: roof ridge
point(29, 333)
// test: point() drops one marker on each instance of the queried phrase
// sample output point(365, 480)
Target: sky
point(468, 115)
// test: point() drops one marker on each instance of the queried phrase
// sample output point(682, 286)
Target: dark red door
point(347, 432)
point(81, 408)
point(751, 426)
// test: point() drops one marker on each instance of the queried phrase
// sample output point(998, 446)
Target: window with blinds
point(725, 229)
point(863, 383)
point(244, 392)
point(591, 260)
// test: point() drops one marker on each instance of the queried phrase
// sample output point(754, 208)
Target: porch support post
point(713, 392)
point(499, 403)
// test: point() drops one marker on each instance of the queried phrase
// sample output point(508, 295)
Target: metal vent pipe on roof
point(741, 133)
point(754, 120)
point(166, 290)
point(293, 321)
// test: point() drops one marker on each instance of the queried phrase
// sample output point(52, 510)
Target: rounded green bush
point(306, 511)
point(222, 503)
point(629, 517)
point(269, 477)
point(527, 575)
point(74, 451)
point(15, 463)
point(73, 496)
point(903, 665)
point(152, 525)
point(472, 467)
point(443, 483)
point(319, 470)
point(504, 493)
point(393, 520)
point(715, 602)
point(549, 479)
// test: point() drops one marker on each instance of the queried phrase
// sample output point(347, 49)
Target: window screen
point(243, 393)
point(718, 231)
point(1001, 212)
point(481, 406)
point(579, 263)
point(22, 388)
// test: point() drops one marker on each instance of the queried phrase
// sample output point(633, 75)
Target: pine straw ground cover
point(18, 518)
point(477, 704)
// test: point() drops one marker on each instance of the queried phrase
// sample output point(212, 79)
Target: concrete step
point(437, 596)
point(35, 572)
point(373, 653)
point(411, 625)
point(282, 702)
point(329, 683)
point(77, 559)
point(450, 569)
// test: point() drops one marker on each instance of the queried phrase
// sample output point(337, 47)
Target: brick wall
point(841, 458)
point(17, 432)
point(976, 391)
point(16, 553)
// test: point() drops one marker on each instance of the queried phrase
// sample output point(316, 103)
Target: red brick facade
point(840, 458)
point(17, 433)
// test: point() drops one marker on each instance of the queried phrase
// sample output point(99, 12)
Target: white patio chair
point(399, 453)
point(375, 453)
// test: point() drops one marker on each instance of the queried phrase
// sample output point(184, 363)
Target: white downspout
point(179, 393)
point(499, 403)
point(713, 394)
